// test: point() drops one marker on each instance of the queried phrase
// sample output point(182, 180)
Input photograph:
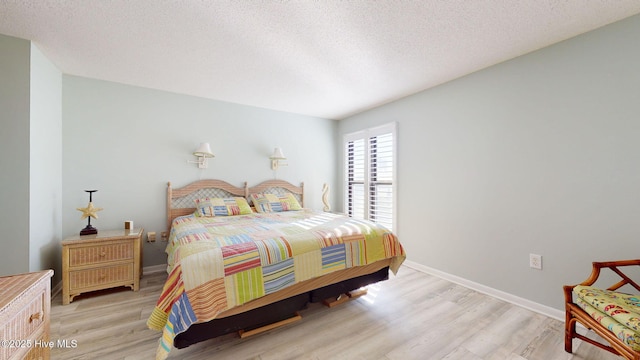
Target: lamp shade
point(277, 154)
point(203, 150)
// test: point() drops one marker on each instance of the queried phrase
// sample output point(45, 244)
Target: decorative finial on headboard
point(325, 197)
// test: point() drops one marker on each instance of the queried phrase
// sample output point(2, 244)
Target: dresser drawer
point(83, 279)
point(24, 315)
point(38, 352)
point(96, 254)
point(29, 319)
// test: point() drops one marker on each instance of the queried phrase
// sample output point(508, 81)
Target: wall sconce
point(277, 159)
point(202, 153)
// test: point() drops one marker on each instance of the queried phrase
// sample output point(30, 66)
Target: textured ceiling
point(326, 58)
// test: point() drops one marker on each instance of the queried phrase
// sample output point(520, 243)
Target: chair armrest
point(595, 273)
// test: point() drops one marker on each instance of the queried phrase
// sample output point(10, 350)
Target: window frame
point(366, 135)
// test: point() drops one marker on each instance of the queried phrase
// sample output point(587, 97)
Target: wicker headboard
point(279, 187)
point(181, 201)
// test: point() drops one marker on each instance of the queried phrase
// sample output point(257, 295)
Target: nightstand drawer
point(96, 254)
point(84, 279)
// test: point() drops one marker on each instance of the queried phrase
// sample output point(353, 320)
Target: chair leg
point(569, 332)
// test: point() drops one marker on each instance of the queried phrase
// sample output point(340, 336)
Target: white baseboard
point(56, 289)
point(154, 269)
point(510, 298)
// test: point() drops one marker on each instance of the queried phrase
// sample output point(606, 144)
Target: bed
point(241, 258)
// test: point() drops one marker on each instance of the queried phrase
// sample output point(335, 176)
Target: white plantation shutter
point(355, 182)
point(370, 174)
point(381, 179)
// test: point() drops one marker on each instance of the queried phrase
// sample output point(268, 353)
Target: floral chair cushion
point(618, 312)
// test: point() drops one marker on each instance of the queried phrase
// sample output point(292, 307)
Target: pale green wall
point(31, 159)
point(540, 154)
point(128, 142)
point(14, 155)
point(45, 194)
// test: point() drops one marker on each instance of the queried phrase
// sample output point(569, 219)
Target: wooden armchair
point(575, 313)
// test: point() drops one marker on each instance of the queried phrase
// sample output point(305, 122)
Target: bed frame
point(277, 308)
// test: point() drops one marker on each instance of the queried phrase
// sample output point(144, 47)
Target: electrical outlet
point(151, 236)
point(164, 236)
point(535, 261)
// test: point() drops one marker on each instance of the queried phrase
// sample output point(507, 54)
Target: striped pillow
point(209, 207)
point(265, 203)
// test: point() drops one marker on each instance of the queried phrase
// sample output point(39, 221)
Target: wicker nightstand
point(108, 259)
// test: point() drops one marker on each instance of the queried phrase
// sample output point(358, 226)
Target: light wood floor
point(410, 316)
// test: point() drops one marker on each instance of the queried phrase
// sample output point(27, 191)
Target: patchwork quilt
point(217, 263)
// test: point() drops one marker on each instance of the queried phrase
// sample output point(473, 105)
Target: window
point(370, 174)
